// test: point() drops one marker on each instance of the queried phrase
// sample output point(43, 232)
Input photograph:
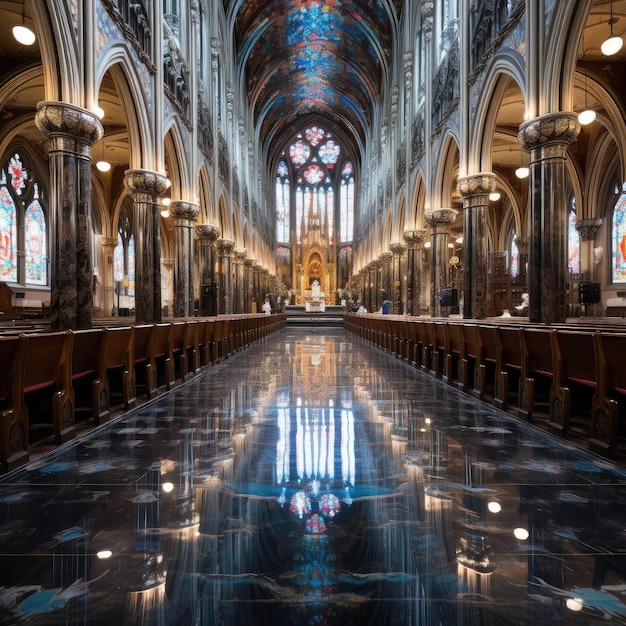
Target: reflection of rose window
point(329, 505)
point(300, 504)
point(315, 525)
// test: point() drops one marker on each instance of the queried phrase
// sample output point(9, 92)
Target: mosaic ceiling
point(322, 61)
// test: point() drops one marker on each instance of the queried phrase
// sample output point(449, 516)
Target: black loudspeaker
point(449, 297)
point(589, 293)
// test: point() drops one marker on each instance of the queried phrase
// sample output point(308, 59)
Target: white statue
point(315, 289)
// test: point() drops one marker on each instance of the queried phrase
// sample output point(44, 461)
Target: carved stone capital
point(397, 248)
point(414, 238)
point(183, 210)
point(146, 182)
point(554, 128)
point(477, 184)
point(59, 119)
point(225, 246)
point(588, 229)
point(208, 231)
point(440, 217)
point(240, 254)
point(108, 242)
point(385, 257)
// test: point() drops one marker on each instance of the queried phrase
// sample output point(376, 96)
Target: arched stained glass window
point(282, 203)
point(35, 245)
point(346, 209)
point(314, 135)
point(118, 259)
point(8, 236)
point(618, 241)
point(514, 266)
point(131, 266)
point(573, 241)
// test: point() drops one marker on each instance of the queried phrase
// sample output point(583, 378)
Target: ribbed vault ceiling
point(321, 60)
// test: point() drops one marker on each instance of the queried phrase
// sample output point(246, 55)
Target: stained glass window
point(118, 259)
point(35, 246)
point(8, 236)
point(299, 153)
point(618, 241)
point(131, 266)
point(346, 209)
point(282, 203)
point(573, 242)
point(313, 174)
point(329, 153)
point(314, 135)
point(514, 267)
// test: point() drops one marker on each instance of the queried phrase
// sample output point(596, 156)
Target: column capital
point(588, 229)
point(414, 238)
point(551, 129)
point(146, 181)
point(250, 263)
point(60, 119)
point(384, 257)
point(168, 264)
point(208, 231)
point(397, 247)
point(240, 254)
point(107, 242)
point(184, 210)
point(225, 245)
point(440, 217)
point(482, 183)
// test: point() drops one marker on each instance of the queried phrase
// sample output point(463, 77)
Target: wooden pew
point(13, 416)
point(575, 380)
point(89, 391)
point(509, 366)
point(161, 355)
point(143, 365)
point(115, 367)
point(191, 346)
point(179, 350)
point(469, 372)
point(47, 385)
point(487, 362)
point(455, 352)
point(537, 373)
point(609, 406)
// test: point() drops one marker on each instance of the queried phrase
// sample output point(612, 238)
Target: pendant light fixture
point(587, 115)
point(103, 165)
point(614, 43)
point(22, 33)
point(522, 171)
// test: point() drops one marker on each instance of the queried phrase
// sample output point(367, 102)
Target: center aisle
point(313, 479)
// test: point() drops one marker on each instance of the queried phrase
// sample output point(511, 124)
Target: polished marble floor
point(312, 480)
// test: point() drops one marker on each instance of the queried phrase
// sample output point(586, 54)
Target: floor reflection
point(312, 479)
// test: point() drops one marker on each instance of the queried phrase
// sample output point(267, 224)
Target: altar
point(314, 299)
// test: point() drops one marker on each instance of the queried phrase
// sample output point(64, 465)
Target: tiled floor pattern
point(312, 479)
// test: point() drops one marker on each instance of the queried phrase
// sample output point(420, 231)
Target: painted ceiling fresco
point(314, 60)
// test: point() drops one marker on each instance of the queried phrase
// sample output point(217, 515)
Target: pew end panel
point(13, 416)
point(47, 386)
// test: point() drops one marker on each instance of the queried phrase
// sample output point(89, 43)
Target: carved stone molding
point(477, 184)
point(554, 128)
point(588, 229)
point(440, 217)
point(208, 231)
point(183, 210)
point(414, 237)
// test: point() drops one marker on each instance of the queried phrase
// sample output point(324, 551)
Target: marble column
point(239, 257)
point(207, 235)
point(184, 215)
point(546, 138)
point(109, 304)
point(225, 249)
point(146, 188)
point(414, 240)
point(71, 132)
point(588, 229)
point(475, 191)
point(397, 250)
point(439, 220)
point(259, 294)
point(522, 244)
